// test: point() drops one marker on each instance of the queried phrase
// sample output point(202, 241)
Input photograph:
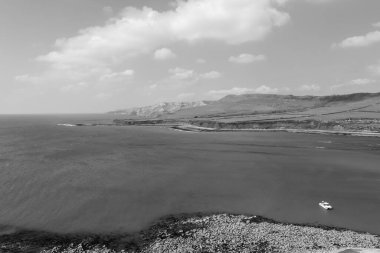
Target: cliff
point(352, 112)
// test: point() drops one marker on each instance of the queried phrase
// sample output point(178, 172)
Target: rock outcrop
point(198, 233)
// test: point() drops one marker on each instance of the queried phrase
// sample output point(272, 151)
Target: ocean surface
point(120, 179)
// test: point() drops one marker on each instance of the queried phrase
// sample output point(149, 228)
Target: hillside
point(249, 105)
point(256, 104)
point(158, 110)
point(352, 112)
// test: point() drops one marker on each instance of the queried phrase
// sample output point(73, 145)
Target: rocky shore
point(357, 125)
point(194, 128)
point(343, 127)
point(198, 233)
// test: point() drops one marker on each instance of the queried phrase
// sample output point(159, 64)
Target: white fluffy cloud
point(376, 24)
point(362, 81)
point(211, 75)
point(117, 76)
point(164, 54)
point(247, 58)
point(139, 31)
point(266, 90)
point(181, 74)
point(360, 41)
point(189, 74)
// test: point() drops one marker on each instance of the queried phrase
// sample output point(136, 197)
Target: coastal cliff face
point(249, 104)
point(372, 125)
point(352, 112)
point(340, 125)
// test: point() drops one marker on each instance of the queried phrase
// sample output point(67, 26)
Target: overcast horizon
point(94, 56)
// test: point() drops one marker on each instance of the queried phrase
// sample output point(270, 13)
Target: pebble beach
point(200, 233)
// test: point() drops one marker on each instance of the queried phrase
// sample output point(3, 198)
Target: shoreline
point(194, 128)
point(197, 232)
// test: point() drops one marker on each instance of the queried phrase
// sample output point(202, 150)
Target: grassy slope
point(263, 106)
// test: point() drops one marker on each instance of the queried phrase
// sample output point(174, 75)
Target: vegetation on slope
point(352, 112)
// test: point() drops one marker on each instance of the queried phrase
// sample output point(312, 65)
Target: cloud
point(247, 58)
point(375, 69)
point(189, 74)
point(117, 76)
point(164, 54)
point(211, 75)
point(376, 24)
point(360, 41)
point(263, 89)
point(309, 87)
point(181, 74)
point(362, 81)
point(140, 31)
point(96, 54)
point(353, 83)
point(266, 90)
point(233, 22)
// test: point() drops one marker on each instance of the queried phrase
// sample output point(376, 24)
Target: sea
point(111, 179)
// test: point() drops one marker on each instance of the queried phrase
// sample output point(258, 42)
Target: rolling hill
point(249, 105)
point(351, 112)
point(158, 110)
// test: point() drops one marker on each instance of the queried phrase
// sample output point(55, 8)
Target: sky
point(93, 56)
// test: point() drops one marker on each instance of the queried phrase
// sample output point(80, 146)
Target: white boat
point(325, 205)
point(66, 125)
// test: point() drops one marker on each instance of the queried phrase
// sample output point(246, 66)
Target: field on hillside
point(275, 107)
point(353, 112)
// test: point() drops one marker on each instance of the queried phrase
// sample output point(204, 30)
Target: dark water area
point(119, 179)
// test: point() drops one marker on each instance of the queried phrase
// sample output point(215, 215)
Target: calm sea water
point(113, 179)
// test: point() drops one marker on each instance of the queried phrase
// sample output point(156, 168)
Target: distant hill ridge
point(251, 104)
point(157, 110)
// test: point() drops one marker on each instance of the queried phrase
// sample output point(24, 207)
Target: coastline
point(168, 234)
point(194, 128)
point(352, 127)
point(188, 127)
point(199, 232)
